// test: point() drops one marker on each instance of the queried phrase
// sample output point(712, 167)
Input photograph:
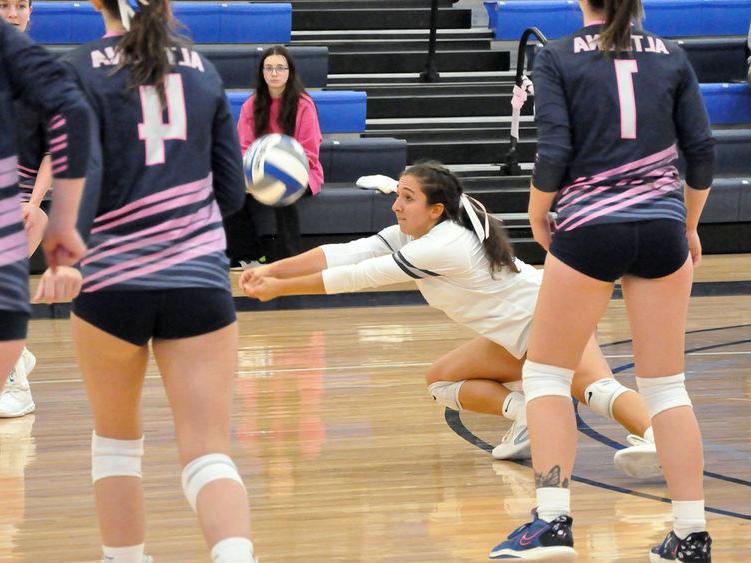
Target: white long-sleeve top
point(451, 271)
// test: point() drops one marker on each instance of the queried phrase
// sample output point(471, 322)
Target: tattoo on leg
point(551, 479)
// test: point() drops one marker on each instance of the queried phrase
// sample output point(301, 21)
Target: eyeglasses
point(279, 69)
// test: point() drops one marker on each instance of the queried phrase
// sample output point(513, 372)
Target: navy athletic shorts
point(166, 314)
point(608, 251)
point(13, 325)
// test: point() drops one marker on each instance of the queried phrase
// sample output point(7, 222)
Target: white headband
point(481, 230)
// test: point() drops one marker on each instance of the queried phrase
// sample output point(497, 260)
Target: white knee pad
point(663, 393)
point(115, 458)
point(203, 470)
point(541, 380)
point(446, 393)
point(601, 395)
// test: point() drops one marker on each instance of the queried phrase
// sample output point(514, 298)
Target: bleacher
point(360, 60)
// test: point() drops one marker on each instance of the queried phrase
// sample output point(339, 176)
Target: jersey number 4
point(153, 131)
point(624, 69)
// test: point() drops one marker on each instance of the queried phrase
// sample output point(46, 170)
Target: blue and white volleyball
point(276, 170)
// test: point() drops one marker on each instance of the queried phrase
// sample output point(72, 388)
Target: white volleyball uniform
point(452, 273)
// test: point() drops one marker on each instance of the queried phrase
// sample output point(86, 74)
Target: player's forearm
point(311, 284)
point(695, 200)
point(540, 203)
point(66, 201)
point(310, 262)
point(43, 181)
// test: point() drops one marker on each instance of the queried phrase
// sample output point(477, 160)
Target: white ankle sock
point(128, 554)
point(513, 405)
point(553, 502)
point(649, 435)
point(232, 550)
point(688, 517)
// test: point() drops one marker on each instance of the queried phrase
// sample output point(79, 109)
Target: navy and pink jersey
point(168, 175)
point(31, 132)
point(611, 126)
point(30, 74)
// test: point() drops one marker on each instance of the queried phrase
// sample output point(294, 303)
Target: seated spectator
point(278, 105)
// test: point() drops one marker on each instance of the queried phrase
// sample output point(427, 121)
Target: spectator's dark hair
point(143, 49)
point(290, 98)
point(440, 185)
point(615, 34)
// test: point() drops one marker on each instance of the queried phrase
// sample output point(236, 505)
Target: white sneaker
point(15, 399)
point(515, 442)
point(639, 460)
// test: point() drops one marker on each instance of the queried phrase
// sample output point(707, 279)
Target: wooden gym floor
point(346, 458)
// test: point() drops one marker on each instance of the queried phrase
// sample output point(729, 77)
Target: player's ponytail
point(440, 185)
point(151, 31)
point(615, 34)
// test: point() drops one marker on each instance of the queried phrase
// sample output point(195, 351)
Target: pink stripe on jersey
point(203, 216)
point(202, 184)
point(634, 201)
point(8, 171)
point(22, 169)
point(167, 206)
point(207, 243)
point(10, 211)
point(58, 139)
point(668, 154)
point(194, 222)
point(56, 122)
point(13, 248)
point(59, 147)
point(618, 201)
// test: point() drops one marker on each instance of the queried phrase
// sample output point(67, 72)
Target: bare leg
point(113, 372)
point(657, 310)
point(628, 409)
point(10, 351)
point(484, 366)
point(557, 341)
point(198, 376)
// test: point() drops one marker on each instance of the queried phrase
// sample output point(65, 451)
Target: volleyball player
point(613, 106)
point(463, 265)
point(156, 271)
point(29, 73)
point(35, 177)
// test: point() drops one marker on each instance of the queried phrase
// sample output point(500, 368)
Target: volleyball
point(276, 170)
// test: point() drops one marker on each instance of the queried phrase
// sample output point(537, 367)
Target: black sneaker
point(696, 547)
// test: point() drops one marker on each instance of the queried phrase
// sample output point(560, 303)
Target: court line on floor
point(455, 423)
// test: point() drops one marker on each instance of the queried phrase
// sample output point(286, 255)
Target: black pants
point(244, 243)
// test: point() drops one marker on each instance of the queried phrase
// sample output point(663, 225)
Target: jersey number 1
point(153, 130)
point(623, 74)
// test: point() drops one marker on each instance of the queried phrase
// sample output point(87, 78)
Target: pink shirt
point(307, 133)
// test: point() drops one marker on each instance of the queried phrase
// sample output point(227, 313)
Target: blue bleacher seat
point(339, 111)
point(669, 18)
point(207, 22)
point(727, 104)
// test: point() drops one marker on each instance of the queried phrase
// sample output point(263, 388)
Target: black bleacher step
point(308, 19)
point(352, 81)
point(501, 200)
point(419, 45)
point(319, 37)
point(459, 134)
point(421, 124)
point(442, 106)
point(413, 61)
point(335, 4)
point(475, 151)
point(425, 89)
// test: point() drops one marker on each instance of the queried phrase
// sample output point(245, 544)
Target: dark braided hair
point(440, 185)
